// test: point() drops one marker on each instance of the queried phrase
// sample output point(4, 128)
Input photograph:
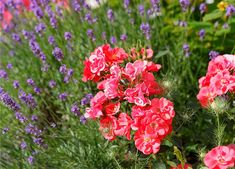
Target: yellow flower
point(222, 5)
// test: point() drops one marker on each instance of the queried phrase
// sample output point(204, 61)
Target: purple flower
point(35, 47)
point(3, 74)
point(184, 4)
point(123, 37)
point(126, 3)
point(213, 54)
point(28, 35)
point(63, 96)
point(37, 90)
point(110, 15)
point(89, 96)
point(76, 6)
point(59, 10)
point(63, 69)
point(38, 12)
point(51, 40)
point(68, 75)
point(155, 5)
point(88, 18)
point(202, 34)
point(182, 24)
point(30, 82)
point(33, 130)
point(23, 145)
point(34, 117)
point(83, 120)
point(5, 130)
point(145, 28)
point(8, 101)
point(16, 37)
point(141, 9)
point(203, 8)
point(9, 66)
point(52, 83)
point(20, 117)
point(113, 40)
point(67, 35)
point(27, 99)
point(75, 109)
point(225, 26)
point(45, 67)
point(86, 100)
point(103, 35)
point(30, 160)
point(186, 50)
point(53, 22)
point(38, 141)
point(40, 28)
point(90, 34)
point(230, 10)
point(16, 84)
point(57, 52)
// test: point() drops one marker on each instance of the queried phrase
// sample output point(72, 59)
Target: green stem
point(218, 128)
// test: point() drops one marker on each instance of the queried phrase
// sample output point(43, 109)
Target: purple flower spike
point(5, 130)
point(3, 74)
point(9, 66)
point(30, 82)
point(126, 3)
point(213, 54)
point(75, 109)
point(63, 69)
point(123, 37)
point(30, 160)
point(20, 117)
point(91, 35)
point(186, 50)
point(83, 120)
point(184, 4)
point(113, 40)
point(16, 84)
point(230, 10)
point(202, 34)
point(203, 8)
point(51, 40)
point(67, 35)
point(52, 84)
point(23, 145)
point(145, 28)
point(63, 96)
point(8, 101)
point(110, 15)
point(58, 54)
point(141, 9)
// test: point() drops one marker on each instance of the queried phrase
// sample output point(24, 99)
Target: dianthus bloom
point(132, 83)
point(221, 157)
point(219, 80)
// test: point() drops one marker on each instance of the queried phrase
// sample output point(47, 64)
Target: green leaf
point(216, 14)
point(160, 166)
point(162, 53)
point(200, 25)
point(179, 155)
point(171, 163)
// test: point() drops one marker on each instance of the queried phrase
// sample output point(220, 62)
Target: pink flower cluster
point(219, 80)
point(126, 83)
point(221, 157)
